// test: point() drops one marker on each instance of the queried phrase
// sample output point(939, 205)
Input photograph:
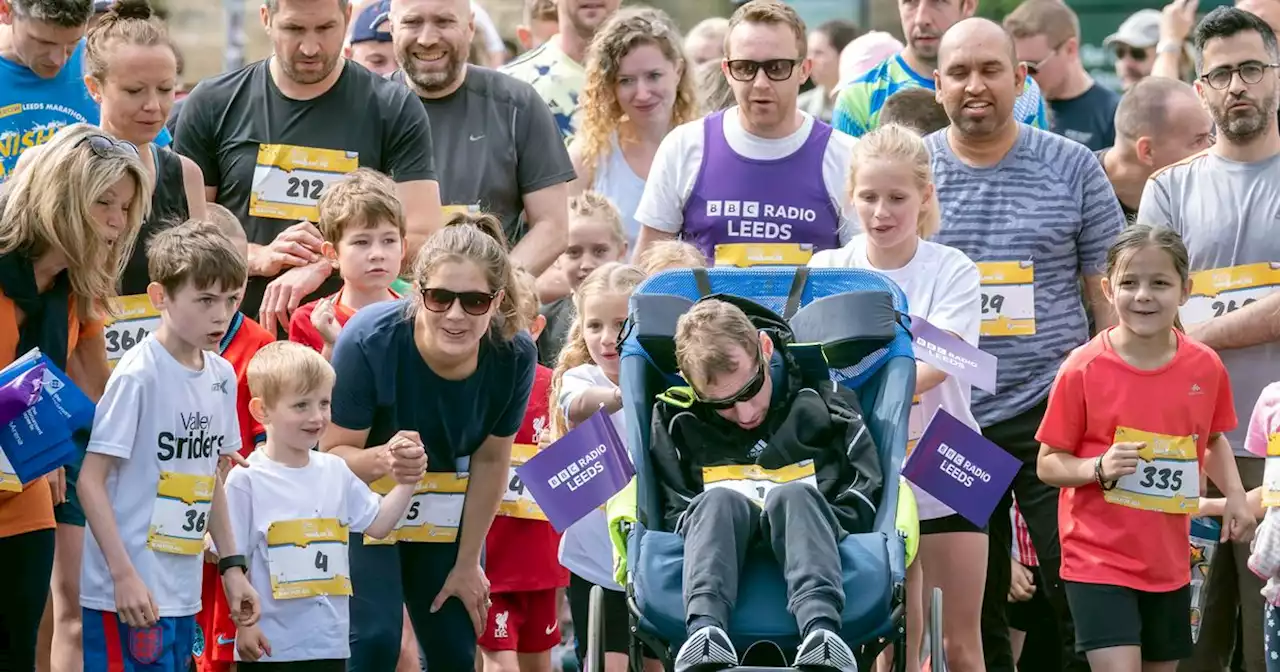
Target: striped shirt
point(858, 106)
point(1043, 216)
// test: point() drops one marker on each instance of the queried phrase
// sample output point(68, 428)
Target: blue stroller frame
point(874, 563)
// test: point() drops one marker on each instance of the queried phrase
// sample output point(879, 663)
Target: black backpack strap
point(703, 279)
point(797, 289)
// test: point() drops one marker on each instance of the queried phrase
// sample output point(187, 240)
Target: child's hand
point(544, 438)
point(1022, 586)
point(251, 644)
point(134, 604)
point(1121, 459)
point(1238, 521)
point(210, 551)
point(324, 319)
point(242, 599)
point(408, 457)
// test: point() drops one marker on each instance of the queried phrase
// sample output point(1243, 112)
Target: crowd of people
point(326, 302)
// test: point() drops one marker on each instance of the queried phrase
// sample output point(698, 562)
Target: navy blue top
point(384, 386)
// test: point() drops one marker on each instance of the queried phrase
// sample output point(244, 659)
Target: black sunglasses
point(439, 300)
point(107, 147)
point(1137, 53)
point(748, 391)
point(777, 69)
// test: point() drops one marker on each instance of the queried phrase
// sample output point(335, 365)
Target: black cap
point(102, 6)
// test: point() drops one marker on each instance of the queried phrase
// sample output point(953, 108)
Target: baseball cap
point(102, 6)
point(1141, 29)
point(367, 26)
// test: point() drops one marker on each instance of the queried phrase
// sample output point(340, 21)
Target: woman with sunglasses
point(71, 214)
point(450, 368)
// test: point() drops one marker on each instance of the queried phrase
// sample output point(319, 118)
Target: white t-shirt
point(167, 425)
point(307, 628)
point(585, 548)
point(941, 285)
point(679, 158)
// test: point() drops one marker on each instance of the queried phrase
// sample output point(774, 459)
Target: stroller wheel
point(937, 655)
point(595, 631)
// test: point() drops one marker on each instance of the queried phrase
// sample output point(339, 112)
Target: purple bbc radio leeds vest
point(736, 199)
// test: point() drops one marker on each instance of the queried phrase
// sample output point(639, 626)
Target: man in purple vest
point(761, 182)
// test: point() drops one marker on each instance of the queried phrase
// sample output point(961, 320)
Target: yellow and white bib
point(308, 558)
point(1217, 292)
point(1008, 298)
point(435, 511)
point(755, 481)
point(1168, 476)
point(137, 319)
point(181, 513)
point(288, 180)
point(517, 502)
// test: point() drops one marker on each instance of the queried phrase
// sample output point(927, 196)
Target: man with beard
point(1036, 213)
point(1225, 203)
point(923, 22)
point(272, 135)
point(555, 69)
point(499, 141)
point(1159, 122)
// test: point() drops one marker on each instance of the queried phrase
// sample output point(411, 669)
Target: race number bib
point(1271, 473)
point(516, 501)
point(435, 511)
point(915, 424)
point(9, 481)
point(1168, 476)
point(137, 320)
point(181, 513)
point(746, 255)
point(1225, 290)
point(308, 558)
point(1008, 298)
point(755, 481)
point(288, 180)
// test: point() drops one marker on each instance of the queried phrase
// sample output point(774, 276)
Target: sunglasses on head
point(439, 300)
point(107, 147)
point(748, 391)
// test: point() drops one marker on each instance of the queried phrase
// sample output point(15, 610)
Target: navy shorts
point(109, 644)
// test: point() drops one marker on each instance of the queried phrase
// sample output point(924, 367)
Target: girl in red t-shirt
point(1133, 416)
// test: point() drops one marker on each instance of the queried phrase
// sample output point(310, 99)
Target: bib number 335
point(1168, 477)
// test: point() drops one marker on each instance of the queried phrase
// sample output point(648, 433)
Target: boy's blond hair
point(527, 300)
point(669, 254)
point(706, 337)
point(281, 368)
point(595, 206)
point(198, 252)
point(363, 199)
point(540, 10)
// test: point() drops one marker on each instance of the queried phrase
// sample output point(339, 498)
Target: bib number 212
point(304, 188)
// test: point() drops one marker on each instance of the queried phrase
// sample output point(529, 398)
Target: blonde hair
point(596, 207)
point(612, 278)
point(540, 10)
point(363, 199)
point(47, 209)
point(769, 12)
point(128, 22)
point(706, 337)
point(898, 143)
point(1051, 18)
point(280, 368)
point(480, 240)
point(669, 254)
point(602, 115)
point(198, 252)
point(527, 297)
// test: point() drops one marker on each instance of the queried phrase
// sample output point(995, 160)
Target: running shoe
point(707, 649)
point(824, 650)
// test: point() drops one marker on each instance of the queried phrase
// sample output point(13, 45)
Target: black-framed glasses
point(777, 69)
point(107, 147)
point(439, 300)
point(1250, 73)
point(748, 391)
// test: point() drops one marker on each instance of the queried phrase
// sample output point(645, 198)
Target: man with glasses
point(761, 182)
point(1046, 34)
point(923, 23)
point(1225, 202)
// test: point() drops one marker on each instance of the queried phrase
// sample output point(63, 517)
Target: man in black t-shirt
point(1159, 122)
point(497, 137)
point(272, 135)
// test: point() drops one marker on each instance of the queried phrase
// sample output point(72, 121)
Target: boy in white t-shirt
point(149, 482)
point(293, 509)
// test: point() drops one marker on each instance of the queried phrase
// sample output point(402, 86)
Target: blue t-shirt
point(32, 108)
point(383, 385)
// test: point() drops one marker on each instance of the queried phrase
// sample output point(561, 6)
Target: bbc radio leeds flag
point(578, 473)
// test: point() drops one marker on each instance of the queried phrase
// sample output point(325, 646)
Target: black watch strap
point(232, 561)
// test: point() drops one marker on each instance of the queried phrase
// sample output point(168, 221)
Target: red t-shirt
point(302, 331)
point(520, 554)
point(1096, 391)
point(243, 340)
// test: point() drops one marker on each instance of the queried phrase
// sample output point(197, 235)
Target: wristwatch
point(230, 562)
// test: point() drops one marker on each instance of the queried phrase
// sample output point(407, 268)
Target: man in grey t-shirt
point(499, 148)
point(1035, 212)
point(1225, 202)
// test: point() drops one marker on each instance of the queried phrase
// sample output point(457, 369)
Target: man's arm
point(410, 161)
point(1254, 324)
point(661, 209)
point(487, 483)
point(422, 212)
point(547, 214)
point(648, 237)
point(543, 174)
point(1101, 220)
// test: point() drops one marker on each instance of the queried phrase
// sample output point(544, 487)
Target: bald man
point(1159, 122)
point(1036, 213)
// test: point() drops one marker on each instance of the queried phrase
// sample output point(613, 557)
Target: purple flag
point(17, 395)
point(579, 472)
point(952, 355)
point(961, 468)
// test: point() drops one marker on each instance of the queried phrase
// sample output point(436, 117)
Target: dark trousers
point(296, 666)
point(796, 523)
point(26, 563)
point(1039, 505)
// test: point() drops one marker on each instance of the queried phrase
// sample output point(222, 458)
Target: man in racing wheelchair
point(755, 452)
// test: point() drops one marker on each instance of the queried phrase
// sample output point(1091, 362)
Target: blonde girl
point(670, 254)
point(639, 87)
point(891, 188)
point(586, 380)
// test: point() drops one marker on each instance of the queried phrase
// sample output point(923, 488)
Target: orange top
point(32, 509)
point(241, 343)
point(1095, 393)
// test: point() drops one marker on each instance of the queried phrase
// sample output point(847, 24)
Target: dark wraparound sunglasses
point(107, 147)
point(439, 300)
point(778, 69)
point(748, 391)
point(1122, 50)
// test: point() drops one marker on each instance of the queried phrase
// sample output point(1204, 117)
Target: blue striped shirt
point(1048, 207)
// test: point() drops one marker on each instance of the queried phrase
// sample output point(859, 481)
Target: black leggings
point(26, 563)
